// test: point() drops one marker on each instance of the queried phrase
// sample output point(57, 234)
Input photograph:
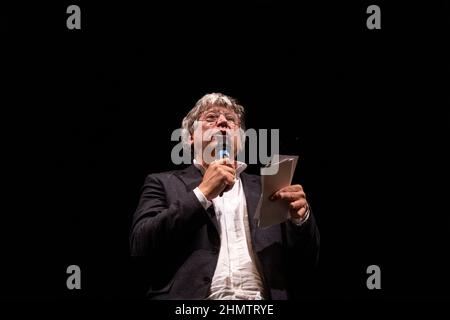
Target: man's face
point(211, 123)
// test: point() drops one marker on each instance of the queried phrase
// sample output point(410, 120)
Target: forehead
point(224, 109)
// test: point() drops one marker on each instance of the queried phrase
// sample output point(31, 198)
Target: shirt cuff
point(202, 199)
point(298, 222)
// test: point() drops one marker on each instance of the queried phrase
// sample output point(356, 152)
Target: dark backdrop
point(88, 114)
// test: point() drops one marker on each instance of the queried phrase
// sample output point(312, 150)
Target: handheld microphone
point(223, 149)
point(224, 152)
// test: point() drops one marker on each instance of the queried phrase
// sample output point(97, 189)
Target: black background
point(88, 113)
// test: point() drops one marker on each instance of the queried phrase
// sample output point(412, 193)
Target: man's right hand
point(219, 177)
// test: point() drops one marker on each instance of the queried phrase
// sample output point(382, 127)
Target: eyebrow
point(216, 110)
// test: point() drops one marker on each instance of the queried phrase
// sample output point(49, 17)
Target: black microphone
point(224, 150)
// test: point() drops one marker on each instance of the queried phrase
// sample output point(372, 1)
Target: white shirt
point(236, 276)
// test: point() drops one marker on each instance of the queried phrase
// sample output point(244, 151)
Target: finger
point(229, 179)
point(292, 188)
point(289, 196)
point(302, 212)
point(275, 196)
point(227, 170)
point(227, 167)
point(219, 162)
point(228, 161)
point(297, 205)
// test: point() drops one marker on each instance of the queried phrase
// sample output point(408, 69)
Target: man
point(196, 226)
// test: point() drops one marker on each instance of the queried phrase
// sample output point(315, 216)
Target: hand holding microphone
point(220, 175)
point(224, 153)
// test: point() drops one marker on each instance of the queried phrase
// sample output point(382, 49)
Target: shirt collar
point(240, 167)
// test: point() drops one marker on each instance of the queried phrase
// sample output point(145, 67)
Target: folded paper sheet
point(274, 177)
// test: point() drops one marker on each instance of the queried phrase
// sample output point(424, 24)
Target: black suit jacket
point(181, 240)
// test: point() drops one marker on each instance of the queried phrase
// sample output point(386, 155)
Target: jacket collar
point(241, 166)
point(191, 177)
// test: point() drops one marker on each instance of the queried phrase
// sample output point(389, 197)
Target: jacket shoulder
point(170, 175)
point(162, 175)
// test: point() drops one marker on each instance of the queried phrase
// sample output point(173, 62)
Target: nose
point(222, 121)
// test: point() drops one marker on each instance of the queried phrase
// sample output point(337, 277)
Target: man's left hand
point(294, 194)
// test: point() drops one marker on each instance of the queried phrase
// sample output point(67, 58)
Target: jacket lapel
point(252, 189)
point(192, 177)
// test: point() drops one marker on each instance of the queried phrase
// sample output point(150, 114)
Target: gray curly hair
point(206, 102)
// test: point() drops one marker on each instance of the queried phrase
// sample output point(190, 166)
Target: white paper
point(270, 212)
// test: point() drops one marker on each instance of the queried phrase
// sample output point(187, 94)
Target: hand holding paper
point(280, 175)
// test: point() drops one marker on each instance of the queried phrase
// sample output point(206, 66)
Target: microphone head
point(223, 154)
point(223, 149)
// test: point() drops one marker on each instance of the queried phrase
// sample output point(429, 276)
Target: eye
point(211, 117)
point(231, 118)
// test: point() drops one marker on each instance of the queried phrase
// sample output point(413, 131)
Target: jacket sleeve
point(157, 225)
point(303, 243)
